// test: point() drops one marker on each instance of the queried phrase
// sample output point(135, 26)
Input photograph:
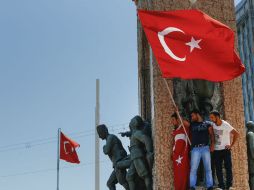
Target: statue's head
point(250, 126)
point(102, 131)
point(136, 123)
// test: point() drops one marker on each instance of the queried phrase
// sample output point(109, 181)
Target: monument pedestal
point(156, 106)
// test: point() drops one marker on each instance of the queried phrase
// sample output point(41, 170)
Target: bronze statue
point(250, 150)
point(194, 94)
point(141, 154)
point(146, 128)
point(116, 152)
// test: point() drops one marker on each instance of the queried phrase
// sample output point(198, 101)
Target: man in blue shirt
point(202, 140)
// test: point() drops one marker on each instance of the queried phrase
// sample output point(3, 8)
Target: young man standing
point(223, 131)
point(180, 154)
point(202, 139)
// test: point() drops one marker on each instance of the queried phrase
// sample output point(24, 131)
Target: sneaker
point(231, 188)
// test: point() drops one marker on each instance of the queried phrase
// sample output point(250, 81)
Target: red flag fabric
point(67, 149)
point(189, 44)
point(181, 161)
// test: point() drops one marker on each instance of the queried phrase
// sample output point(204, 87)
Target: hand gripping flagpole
point(177, 112)
point(58, 157)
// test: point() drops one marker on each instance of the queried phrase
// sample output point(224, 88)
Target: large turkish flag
point(189, 44)
point(67, 149)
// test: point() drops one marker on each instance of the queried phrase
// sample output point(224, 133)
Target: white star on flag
point(179, 160)
point(193, 44)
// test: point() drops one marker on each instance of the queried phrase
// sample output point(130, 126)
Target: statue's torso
point(137, 148)
point(204, 89)
point(117, 151)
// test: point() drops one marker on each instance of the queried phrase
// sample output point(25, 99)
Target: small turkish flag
point(67, 149)
point(189, 44)
point(180, 158)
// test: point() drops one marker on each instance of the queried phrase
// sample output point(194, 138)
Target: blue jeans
point(196, 155)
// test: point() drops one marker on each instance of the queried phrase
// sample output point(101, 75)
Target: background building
point(245, 31)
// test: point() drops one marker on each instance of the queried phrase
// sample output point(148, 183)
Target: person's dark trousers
point(213, 169)
point(220, 157)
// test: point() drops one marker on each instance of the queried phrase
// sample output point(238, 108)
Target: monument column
point(162, 107)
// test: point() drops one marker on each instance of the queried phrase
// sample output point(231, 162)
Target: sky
point(51, 53)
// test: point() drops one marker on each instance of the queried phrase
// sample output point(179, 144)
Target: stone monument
point(156, 106)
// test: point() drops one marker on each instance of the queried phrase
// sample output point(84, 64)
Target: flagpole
point(177, 111)
point(97, 142)
point(58, 157)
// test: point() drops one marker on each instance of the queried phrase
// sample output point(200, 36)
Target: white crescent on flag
point(65, 149)
point(193, 43)
point(164, 45)
point(180, 137)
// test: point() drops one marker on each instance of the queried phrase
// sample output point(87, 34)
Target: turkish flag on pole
point(180, 158)
point(189, 44)
point(67, 149)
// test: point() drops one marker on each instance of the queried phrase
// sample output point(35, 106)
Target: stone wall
point(157, 97)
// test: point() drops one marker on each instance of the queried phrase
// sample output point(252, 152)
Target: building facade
point(245, 31)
